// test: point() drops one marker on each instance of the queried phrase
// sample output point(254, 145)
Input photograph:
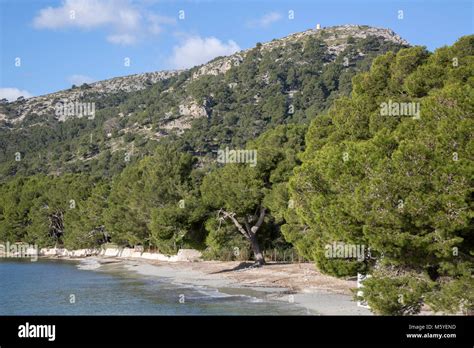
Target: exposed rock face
point(192, 109)
point(48, 252)
point(132, 82)
point(61, 252)
point(126, 252)
point(188, 110)
point(335, 37)
point(183, 255)
point(220, 65)
point(114, 252)
point(189, 255)
point(83, 252)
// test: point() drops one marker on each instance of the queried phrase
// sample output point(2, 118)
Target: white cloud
point(13, 93)
point(88, 14)
point(80, 79)
point(196, 50)
point(124, 22)
point(266, 20)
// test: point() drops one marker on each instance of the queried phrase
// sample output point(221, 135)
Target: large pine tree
point(399, 184)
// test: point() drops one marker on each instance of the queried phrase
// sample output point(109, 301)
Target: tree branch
point(247, 227)
point(260, 220)
point(231, 216)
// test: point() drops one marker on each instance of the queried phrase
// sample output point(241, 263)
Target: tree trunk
point(249, 232)
point(259, 259)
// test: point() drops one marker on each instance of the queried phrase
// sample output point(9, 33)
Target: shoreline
point(299, 284)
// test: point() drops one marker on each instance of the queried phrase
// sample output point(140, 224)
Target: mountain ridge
point(219, 65)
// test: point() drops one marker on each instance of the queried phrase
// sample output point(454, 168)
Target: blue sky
point(61, 42)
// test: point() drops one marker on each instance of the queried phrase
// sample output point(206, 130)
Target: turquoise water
point(46, 287)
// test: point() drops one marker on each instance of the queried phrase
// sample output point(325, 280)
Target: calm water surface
point(45, 288)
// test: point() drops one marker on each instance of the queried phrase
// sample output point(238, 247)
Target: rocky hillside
point(227, 101)
point(45, 104)
point(334, 37)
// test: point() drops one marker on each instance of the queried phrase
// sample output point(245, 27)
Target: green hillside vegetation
point(335, 171)
point(240, 104)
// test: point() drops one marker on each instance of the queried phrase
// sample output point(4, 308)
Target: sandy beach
point(299, 284)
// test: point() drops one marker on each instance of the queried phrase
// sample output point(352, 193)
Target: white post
point(360, 279)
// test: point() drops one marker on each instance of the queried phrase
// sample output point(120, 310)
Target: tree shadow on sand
point(239, 267)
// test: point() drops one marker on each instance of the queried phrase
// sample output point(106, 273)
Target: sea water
point(56, 287)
